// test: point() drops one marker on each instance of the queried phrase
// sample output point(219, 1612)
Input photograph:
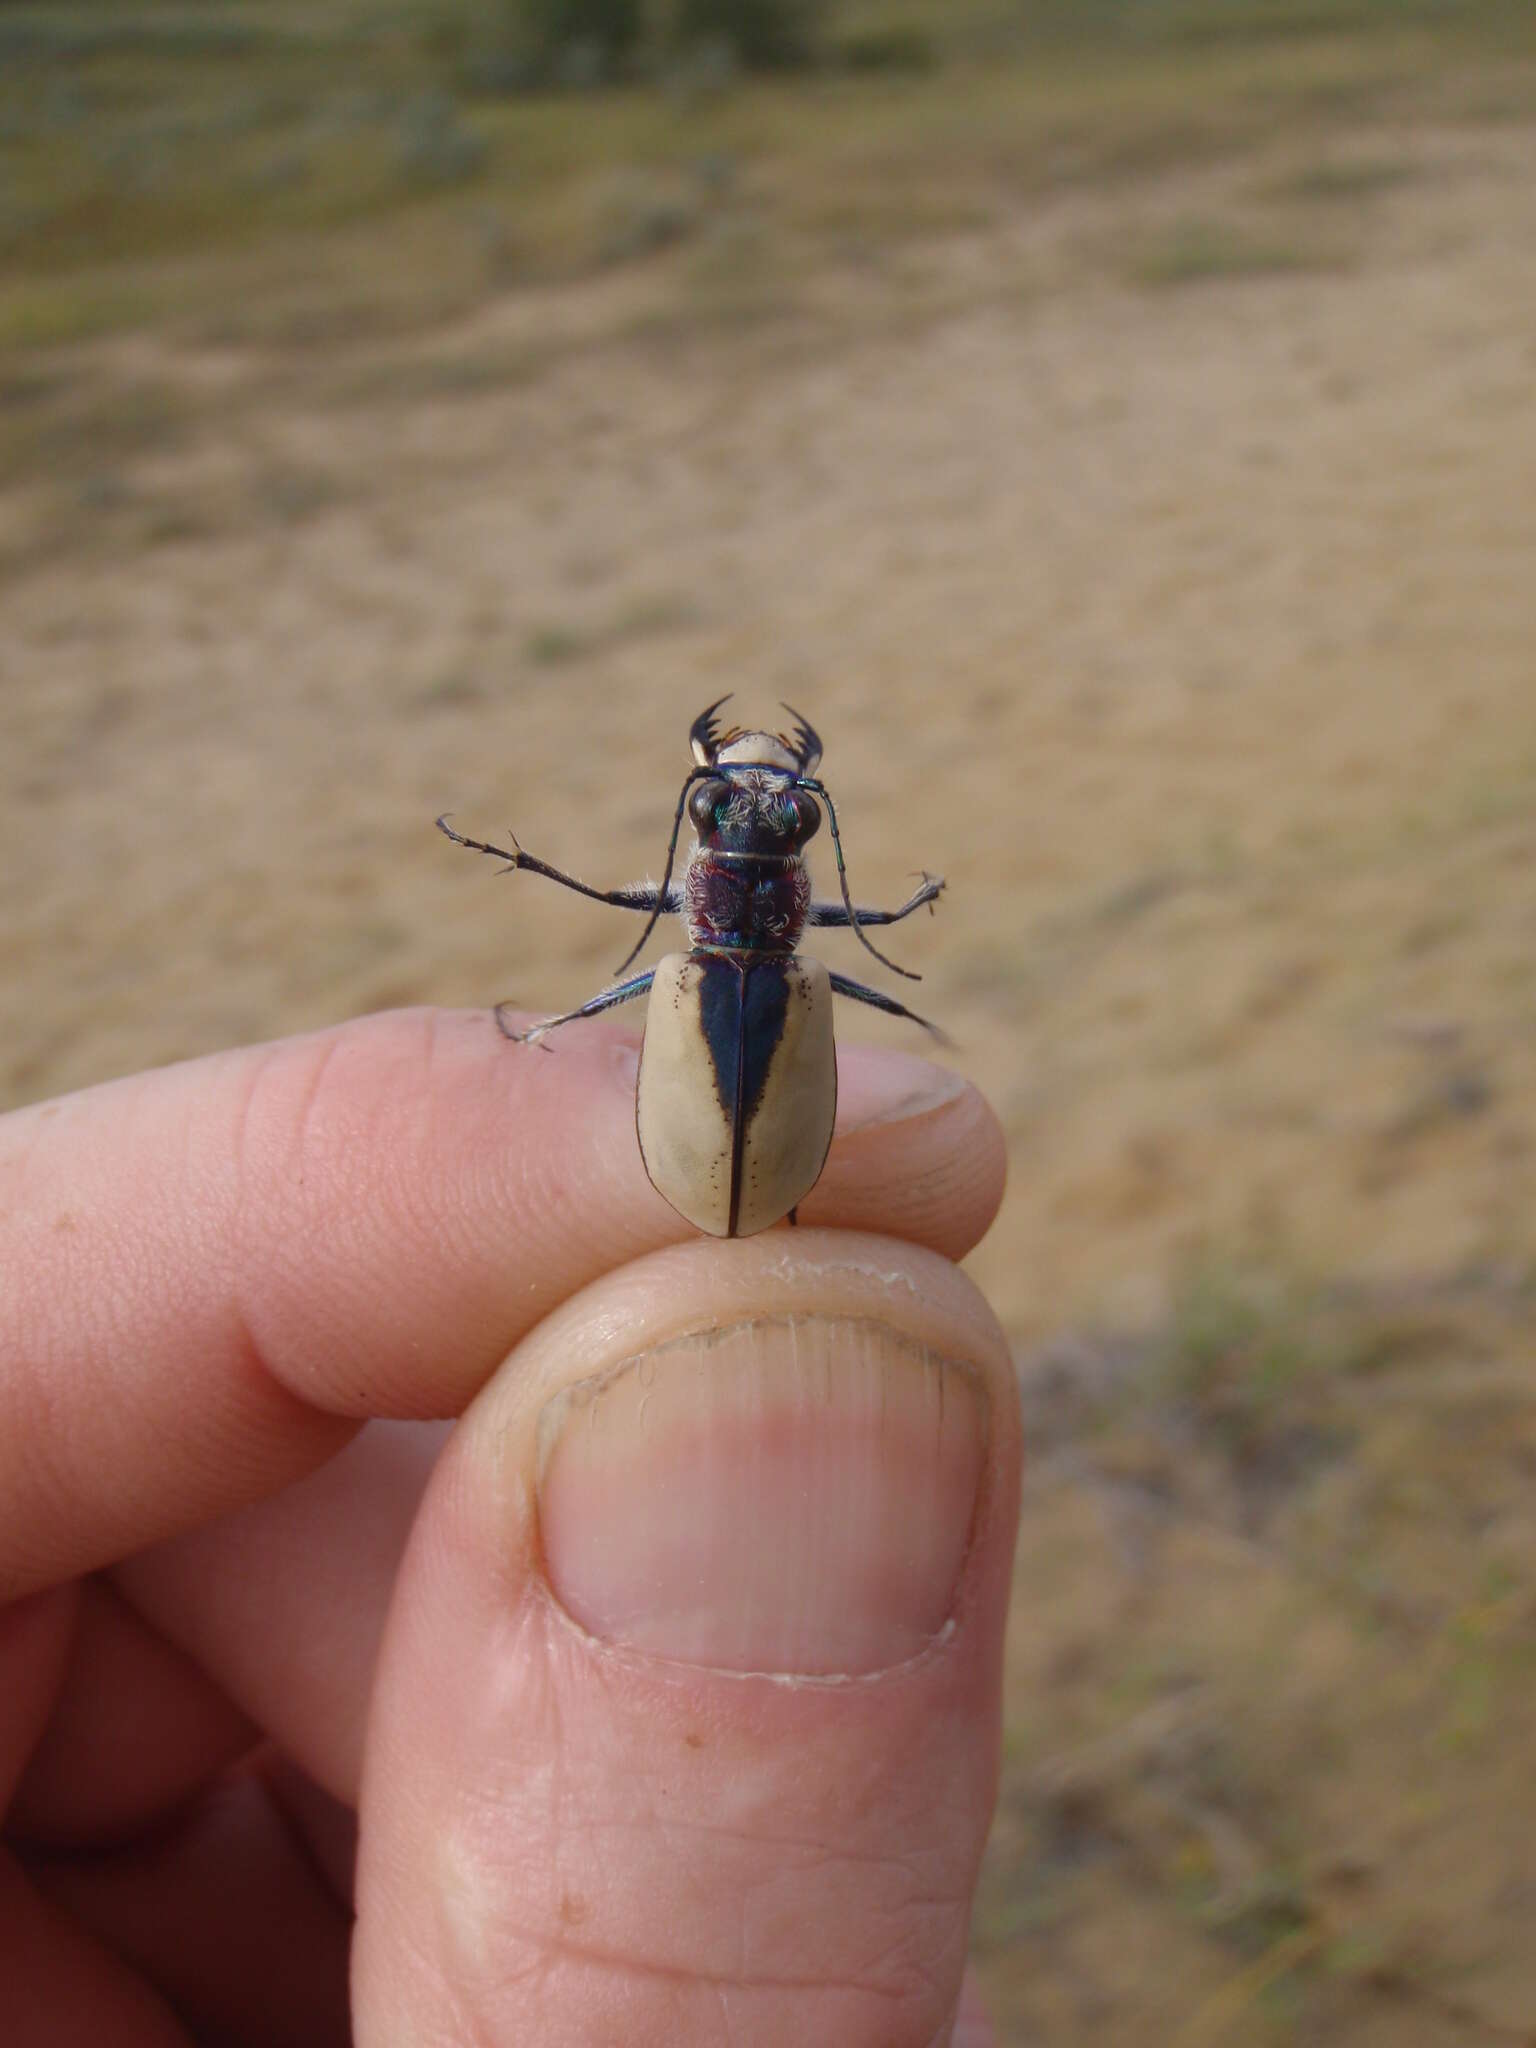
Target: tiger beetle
point(738, 1075)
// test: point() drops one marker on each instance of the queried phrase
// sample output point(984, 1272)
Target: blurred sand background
point(1114, 428)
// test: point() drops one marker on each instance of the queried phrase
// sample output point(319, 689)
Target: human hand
point(666, 1684)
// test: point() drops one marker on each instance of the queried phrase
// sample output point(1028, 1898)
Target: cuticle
point(615, 1650)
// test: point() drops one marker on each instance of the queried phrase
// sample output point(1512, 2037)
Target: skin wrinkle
point(601, 1844)
point(593, 1842)
point(129, 1271)
point(453, 1229)
point(565, 1948)
point(904, 1950)
point(300, 1095)
point(304, 1119)
point(263, 1059)
point(415, 1196)
point(250, 1174)
point(411, 1939)
point(719, 1990)
point(752, 1839)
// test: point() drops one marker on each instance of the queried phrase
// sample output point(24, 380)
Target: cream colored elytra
point(733, 1169)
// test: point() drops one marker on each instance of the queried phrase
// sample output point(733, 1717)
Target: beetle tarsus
point(530, 1037)
point(834, 916)
point(607, 999)
point(632, 896)
point(513, 860)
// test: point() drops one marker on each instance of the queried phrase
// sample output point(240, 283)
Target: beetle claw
point(528, 1037)
point(534, 1035)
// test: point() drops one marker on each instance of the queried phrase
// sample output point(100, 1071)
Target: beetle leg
point(622, 992)
point(835, 914)
point(694, 775)
point(842, 986)
point(819, 789)
point(634, 896)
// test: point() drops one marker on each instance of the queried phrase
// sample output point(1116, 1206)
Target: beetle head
point(746, 800)
point(752, 807)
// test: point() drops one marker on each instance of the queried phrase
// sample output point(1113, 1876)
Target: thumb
point(686, 1720)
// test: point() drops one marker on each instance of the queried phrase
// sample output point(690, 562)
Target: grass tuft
point(1343, 179)
point(1200, 249)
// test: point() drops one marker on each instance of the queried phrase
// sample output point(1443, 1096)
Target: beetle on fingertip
point(738, 1072)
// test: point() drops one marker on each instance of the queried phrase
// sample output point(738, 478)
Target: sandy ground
point(1187, 631)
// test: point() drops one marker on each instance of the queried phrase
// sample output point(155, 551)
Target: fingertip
point(918, 1153)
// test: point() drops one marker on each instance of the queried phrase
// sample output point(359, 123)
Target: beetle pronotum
point(738, 1075)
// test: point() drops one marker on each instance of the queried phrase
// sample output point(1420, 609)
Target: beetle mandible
point(738, 1074)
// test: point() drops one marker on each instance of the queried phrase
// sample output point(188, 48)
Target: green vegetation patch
point(1200, 249)
point(1269, 1670)
point(257, 175)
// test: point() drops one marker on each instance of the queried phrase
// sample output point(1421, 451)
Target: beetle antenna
point(819, 789)
point(694, 775)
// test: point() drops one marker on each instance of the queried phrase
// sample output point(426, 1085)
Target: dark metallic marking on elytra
point(720, 1008)
point(762, 1022)
point(742, 1011)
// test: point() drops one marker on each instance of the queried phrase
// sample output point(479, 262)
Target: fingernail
point(877, 1085)
point(791, 1495)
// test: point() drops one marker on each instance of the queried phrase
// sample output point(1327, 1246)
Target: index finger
point(211, 1273)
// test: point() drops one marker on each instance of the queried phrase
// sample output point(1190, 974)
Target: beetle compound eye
point(808, 811)
point(701, 805)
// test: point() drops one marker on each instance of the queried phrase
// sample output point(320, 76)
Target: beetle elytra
point(738, 1072)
